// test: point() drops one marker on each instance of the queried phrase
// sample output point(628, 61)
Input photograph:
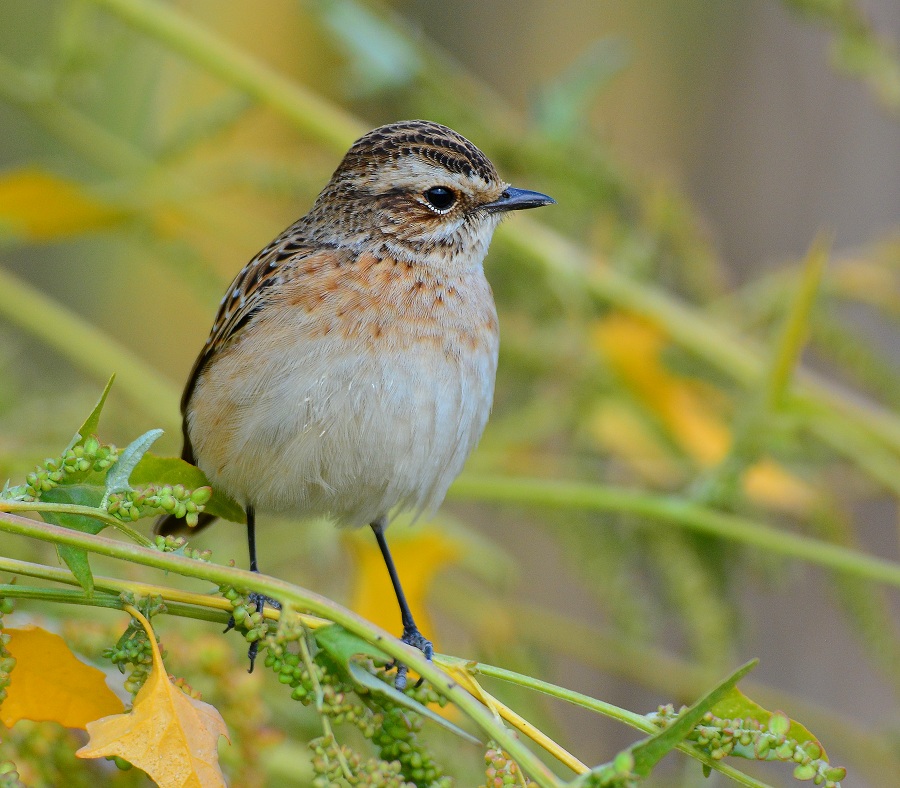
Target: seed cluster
point(501, 770)
point(750, 739)
point(157, 499)
point(329, 769)
point(89, 455)
point(9, 775)
point(245, 615)
point(134, 648)
point(401, 760)
point(174, 544)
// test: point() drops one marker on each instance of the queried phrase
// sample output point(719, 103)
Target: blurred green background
point(695, 148)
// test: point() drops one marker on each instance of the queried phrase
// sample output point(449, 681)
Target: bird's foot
point(259, 601)
point(412, 637)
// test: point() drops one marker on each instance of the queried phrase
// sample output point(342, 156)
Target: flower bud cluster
point(338, 701)
point(158, 499)
point(7, 662)
point(245, 615)
point(172, 544)
point(186, 688)
point(89, 455)
point(9, 776)
point(134, 649)
point(502, 770)
point(327, 766)
point(749, 738)
point(397, 741)
point(618, 773)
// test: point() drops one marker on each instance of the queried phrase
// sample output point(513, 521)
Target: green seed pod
point(201, 495)
point(805, 771)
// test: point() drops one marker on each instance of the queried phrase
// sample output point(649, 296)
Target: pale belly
point(335, 430)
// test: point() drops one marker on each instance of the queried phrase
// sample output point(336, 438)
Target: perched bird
point(350, 369)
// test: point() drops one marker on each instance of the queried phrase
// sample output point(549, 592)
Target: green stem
point(630, 718)
point(68, 597)
point(89, 348)
point(303, 600)
point(676, 511)
point(73, 508)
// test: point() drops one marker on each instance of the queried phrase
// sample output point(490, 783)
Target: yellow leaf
point(419, 558)
point(49, 683)
point(686, 410)
point(40, 206)
point(172, 737)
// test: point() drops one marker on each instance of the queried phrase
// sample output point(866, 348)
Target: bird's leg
point(411, 635)
point(259, 600)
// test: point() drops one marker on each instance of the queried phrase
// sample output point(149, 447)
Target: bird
point(350, 369)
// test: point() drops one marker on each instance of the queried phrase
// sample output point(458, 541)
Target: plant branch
point(301, 599)
point(676, 511)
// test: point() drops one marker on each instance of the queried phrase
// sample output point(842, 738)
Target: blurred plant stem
point(89, 348)
point(675, 511)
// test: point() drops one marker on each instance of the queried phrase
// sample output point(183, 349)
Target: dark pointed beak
point(517, 200)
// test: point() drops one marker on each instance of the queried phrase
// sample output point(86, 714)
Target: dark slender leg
point(411, 635)
point(251, 538)
point(259, 599)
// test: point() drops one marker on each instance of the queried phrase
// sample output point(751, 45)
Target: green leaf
point(342, 646)
point(736, 705)
point(76, 558)
point(173, 470)
point(639, 759)
point(90, 423)
point(118, 476)
point(649, 752)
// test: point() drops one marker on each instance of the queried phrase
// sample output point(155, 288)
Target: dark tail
point(169, 525)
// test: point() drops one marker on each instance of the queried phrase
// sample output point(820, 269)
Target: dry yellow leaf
point(41, 206)
point(172, 737)
point(418, 557)
point(49, 683)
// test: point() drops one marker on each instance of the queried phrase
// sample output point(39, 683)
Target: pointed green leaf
point(76, 558)
point(342, 646)
point(90, 424)
point(120, 473)
point(649, 752)
point(173, 470)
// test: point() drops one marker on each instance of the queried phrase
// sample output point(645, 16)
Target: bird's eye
point(440, 198)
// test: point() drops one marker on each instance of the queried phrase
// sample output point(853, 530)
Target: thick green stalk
point(677, 512)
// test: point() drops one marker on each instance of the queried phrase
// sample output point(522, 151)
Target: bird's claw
point(260, 601)
point(412, 637)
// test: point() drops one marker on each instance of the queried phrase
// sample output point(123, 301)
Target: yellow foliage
point(171, 736)
point(42, 207)
point(685, 409)
point(50, 684)
point(419, 558)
